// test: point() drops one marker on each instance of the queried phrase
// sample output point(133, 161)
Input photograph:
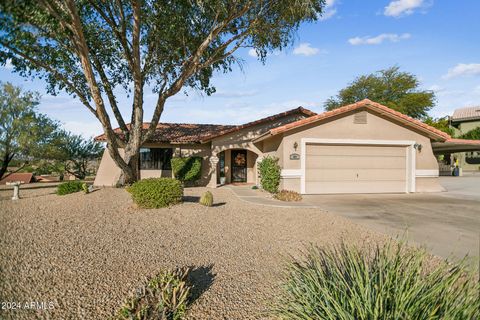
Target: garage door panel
point(356, 187)
point(355, 169)
point(363, 162)
point(355, 174)
point(358, 150)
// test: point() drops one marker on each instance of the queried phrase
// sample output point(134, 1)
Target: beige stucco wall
point(108, 173)
point(376, 128)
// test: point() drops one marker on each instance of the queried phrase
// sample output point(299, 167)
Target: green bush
point(269, 174)
point(164, 296)
point(156, 192)
point(392, 282)
point(187, 169)
point(288, 195)
point(69, 187)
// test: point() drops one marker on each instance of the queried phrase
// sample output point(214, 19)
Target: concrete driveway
point(447, 223)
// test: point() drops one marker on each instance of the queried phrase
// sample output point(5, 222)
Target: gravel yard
point(86, 253)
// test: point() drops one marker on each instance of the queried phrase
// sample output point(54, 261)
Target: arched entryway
point(237, 166)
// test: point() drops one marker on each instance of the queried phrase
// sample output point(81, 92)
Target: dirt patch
point(85, 253)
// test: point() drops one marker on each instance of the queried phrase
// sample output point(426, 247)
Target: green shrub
point(392, 282)
point(187, 169)
point(254, 187)
point(207, 199)
point(288, 195)
point(269, 174)
point(85, 188)
point(156, 192)
point(69, 187)
point(164, 296)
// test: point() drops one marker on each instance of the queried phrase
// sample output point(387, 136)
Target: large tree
point(25, 133)
point(390, 87)
point(90, 47)
point(75, 153)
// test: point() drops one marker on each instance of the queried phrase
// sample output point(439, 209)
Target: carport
point(455, 145)
point(450, 147)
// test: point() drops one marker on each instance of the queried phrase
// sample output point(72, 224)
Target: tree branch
point(57, 74)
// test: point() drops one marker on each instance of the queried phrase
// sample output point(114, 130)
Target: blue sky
point(436, 40)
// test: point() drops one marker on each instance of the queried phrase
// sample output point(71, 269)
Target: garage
point(355, 168)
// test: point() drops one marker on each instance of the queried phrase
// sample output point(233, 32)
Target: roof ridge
point(353, 106)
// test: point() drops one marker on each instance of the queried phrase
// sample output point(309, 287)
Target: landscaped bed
point(87, 252)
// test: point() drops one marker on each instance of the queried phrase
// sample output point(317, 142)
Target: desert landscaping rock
point(86, 253)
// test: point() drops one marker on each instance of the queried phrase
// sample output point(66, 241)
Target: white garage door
point(355, 169)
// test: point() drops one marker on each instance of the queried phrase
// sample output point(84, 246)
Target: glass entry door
point(239, 165)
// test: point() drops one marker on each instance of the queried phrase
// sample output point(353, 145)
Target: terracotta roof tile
point(179, 132)
point(363, 103)
point(302, 110)
point(464, 141)
point(22, 177)
point(196, 133)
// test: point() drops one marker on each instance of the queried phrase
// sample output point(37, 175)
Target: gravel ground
point(86, 253)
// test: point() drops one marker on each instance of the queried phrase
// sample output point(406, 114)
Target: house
point(464, 120)
point(364, 147)
point(22, 177)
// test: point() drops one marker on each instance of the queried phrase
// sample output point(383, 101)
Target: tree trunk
point(5, 161)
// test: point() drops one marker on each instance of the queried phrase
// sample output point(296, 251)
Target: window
point(155, 158)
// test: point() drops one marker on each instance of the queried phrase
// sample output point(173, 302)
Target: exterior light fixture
point(418, 146)
point(295, 146)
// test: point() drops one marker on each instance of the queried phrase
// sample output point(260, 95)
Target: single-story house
point(462, 121)
point(364, 147)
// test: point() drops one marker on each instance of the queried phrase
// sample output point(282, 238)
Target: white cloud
point(436, 88)
point(400, 8)
point(392, 37)
point(236, 112)
point(234, 94)
point(329, 10)
point(253, 53)
point(8, 65)
point(86, 129)
point(463, 69)
point(306, 49)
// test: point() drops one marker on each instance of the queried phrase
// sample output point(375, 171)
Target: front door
point(239, 165)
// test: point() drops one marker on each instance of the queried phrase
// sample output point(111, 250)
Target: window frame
point(156, 158)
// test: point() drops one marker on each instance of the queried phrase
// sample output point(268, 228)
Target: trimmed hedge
point(156, 192)
point(187, 169)
point(269, 174)
point(69, 187)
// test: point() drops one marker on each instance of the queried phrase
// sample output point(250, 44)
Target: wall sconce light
point(295, 146)
point(418, 146)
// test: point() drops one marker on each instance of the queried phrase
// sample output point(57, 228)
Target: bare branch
point(57, 74)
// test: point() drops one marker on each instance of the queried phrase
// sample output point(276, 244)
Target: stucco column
point(257, 178)
point(213, 171)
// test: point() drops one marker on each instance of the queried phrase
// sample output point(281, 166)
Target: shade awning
point(456, 145)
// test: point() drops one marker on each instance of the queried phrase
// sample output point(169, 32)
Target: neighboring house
point(464, 120)
point(360, 148)
point(18, 177)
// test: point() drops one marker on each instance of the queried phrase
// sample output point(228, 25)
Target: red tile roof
point(463, 141)
point(196, 133)
point(22, 177)
point(362, 104)
point(178, 132)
